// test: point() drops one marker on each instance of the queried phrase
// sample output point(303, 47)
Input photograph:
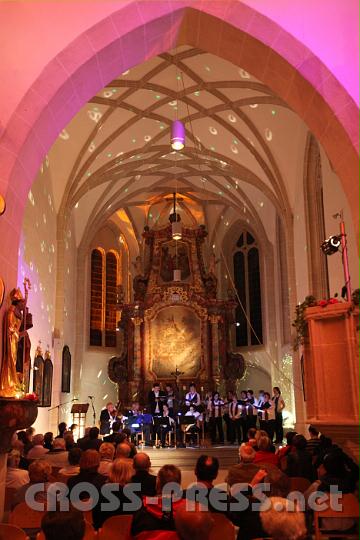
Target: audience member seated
point(15, 477)
point(158, 514)
point(116, 437)
point(333, 474)
point(120, 474)
point(39, 473)
point(73, 467)
point(281, 521)
point(251, 437)
point(30, 432)
point(18, 445)
point(206, 471)
point(283, 452)
point(264, 453)
point(69, 440)
point(63, 525)
point(141, 465)
point(37, 451)
point(48, 440)
point(193, 525)
point(246, 470)
point(312, 444)
point(89, 464)
point(62, 427)
point(22, 436)
point(58, 456)
point(133, 449)
point(123, 451)
point(93, 442)
point(106, 451)
point(84, 439)
point(299, 462)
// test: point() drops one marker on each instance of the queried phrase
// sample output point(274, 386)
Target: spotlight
point(331, 245)
point(177, 140)
point(237, 324)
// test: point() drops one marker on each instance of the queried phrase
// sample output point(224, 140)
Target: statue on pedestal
point(10, 380)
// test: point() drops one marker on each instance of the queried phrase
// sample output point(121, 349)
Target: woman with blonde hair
point(120, 475)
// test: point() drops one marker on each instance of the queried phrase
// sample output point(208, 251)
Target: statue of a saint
point(9, 378)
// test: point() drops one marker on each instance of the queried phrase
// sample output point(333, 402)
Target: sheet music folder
point(79, 408)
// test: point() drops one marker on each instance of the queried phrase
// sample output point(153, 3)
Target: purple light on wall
point(177, 140)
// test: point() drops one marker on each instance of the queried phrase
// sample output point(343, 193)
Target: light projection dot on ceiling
point(213, 246)
point(88, 173)
point(44, 219)
point(109, 155)
point(197, 93)
point(261, 204)
point(273, 112)
point(254, 106)
point(234, 149)
point(157, 96)
point(35, 288)
point(105, 397)
point(94, 115)
point(212, 148)
point(76, 205)
point(31, 266)
point(203, 180)
point(137, 177)
point(226, 223)
point(107, 94)
point(125, 73)
point(220, 192)
point(232, 118)
point(228, 186)
point(42, 246)
point(251, 142)
point(64, 135)
point(47, 161)
point(268, 134)
point(213, 130)
point(244, 74)
point(133, 141)
point(173, 103)
point(207, 68)
point(31, 198)
point(147, 138)
point(162, 126)
point(91, 147)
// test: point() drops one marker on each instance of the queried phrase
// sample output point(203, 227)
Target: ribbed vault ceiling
point(243, 153)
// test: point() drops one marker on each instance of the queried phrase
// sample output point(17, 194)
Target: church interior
point(179, 217)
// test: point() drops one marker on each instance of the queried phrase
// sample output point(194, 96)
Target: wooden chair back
point(116, 528)
point(26, 518)
point(8, 531)
point(350, 509)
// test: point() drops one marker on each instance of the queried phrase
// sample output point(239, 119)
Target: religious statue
point(139, 281)
point(10, 380)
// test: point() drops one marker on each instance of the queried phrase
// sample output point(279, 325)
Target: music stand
point(78, 411)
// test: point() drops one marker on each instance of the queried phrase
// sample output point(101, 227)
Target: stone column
point(137, 346)
point(214, 320)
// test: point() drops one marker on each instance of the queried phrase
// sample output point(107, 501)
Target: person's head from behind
point(89, 461)
point(167, 474)
point(107, 451)
point(282, 521)
point(13, 459)
point(334, 465)
point(116, 427)
point(30, 432)
point(62, 427)
point(251, 433)
point(65, 525)
point(59, 444)
point(246, 453)
point(121, 472)
point(74, 456)
point(48, 437)
point(264, 443)
point(299, 442)
point(39, 471)
point(290, 437)
point(73, 427)
point(23, 437)
point(141, 462)
point(127, 433)
point(193, 524)
point(123, 450)
point(69, 439)
point(38, 439)
point(314, 434)
point(206, 468)
point(94, 433)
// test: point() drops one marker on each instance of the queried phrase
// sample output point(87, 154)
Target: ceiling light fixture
point(177, 140)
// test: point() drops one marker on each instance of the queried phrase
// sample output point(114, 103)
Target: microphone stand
point(93, 408)
point(60, 405)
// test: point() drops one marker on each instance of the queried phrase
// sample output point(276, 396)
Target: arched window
point(248, 285)
point(110, 299)
point(96, 298)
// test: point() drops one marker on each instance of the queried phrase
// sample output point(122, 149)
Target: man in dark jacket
point(299, 462)
point(142, 464)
